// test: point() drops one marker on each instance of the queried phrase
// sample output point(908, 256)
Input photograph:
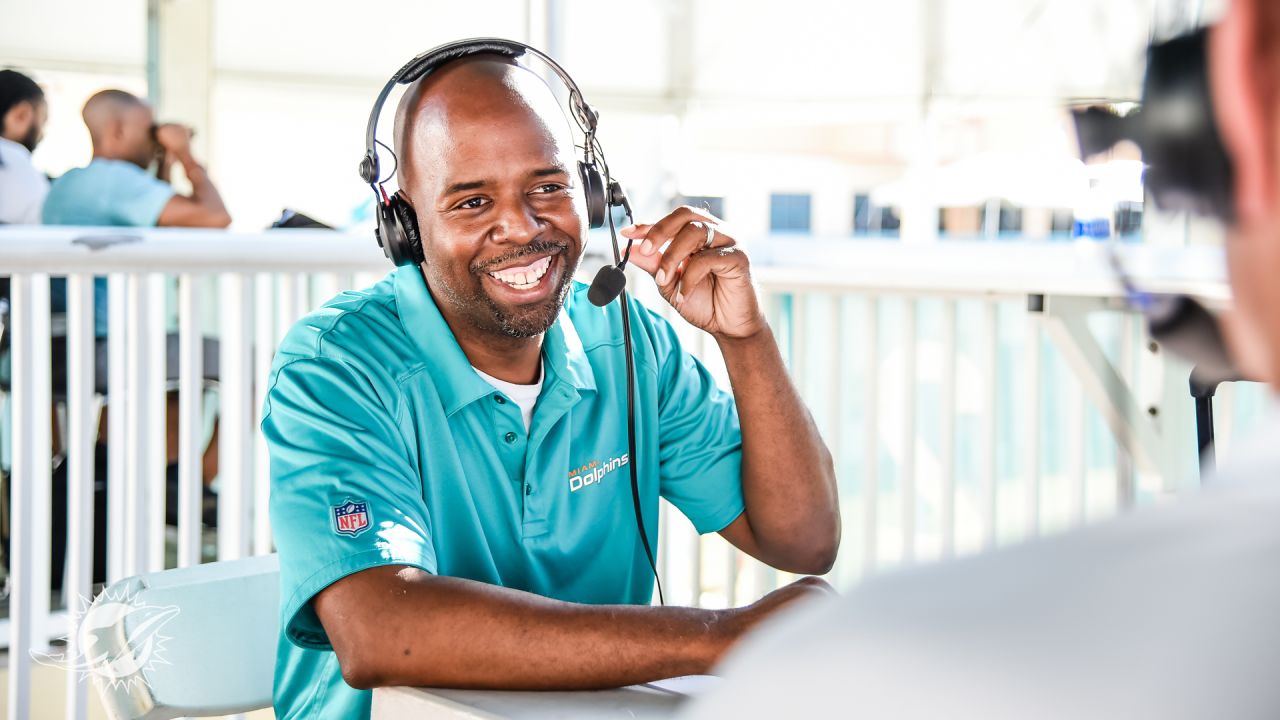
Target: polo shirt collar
point(457, 381)
point(565, 358)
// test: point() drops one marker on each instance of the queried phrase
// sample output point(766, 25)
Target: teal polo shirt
point(388, 449)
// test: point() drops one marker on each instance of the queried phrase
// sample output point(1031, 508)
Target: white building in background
point(805, 116)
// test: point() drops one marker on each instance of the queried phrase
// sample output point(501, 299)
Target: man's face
point(1244, 56)
point(24, 123)
point(493, 184)
point(35, 133)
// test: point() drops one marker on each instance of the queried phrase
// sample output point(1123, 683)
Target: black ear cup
point(593, 192)
point(398, 232)
point(411, 241)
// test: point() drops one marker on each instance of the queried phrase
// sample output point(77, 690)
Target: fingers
point(666, 229)
point(176, 128)
point(637, 231)
point(688, 240)
point(647, 262)
point(665, 246)
point(694, 237)
point(724, 262)
point(650, 255)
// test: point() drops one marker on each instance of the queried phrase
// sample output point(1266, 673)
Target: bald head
point(481, 93)
point(487, 163)
point(119, 125)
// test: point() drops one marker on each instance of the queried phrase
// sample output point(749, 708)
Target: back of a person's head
point(107, 102)
point(102, 113)
point(16, 88)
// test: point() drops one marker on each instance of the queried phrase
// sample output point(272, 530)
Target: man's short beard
point(531, 321)
point(523, 321)
point(32, 139)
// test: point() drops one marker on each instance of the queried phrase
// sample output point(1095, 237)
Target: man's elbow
point(361, 673)
point(220, 219)
point(816, 560)
point(815, 553)
point(360, 651)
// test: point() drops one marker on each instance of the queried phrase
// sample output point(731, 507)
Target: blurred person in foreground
point(1171, 612)
point(23, 112)
point(452, 405)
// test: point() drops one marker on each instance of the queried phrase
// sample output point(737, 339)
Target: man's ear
point(17, 122)
point(1245, 101)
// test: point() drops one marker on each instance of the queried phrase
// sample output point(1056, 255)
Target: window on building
point(1062, 223)
point(890, 223)
point(789, 212)
point(710, 203)
point(861, 213)
point(1010, 218)
point(870, 219)
point(1128, 218)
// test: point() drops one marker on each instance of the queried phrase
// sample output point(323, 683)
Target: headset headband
point(431, 60)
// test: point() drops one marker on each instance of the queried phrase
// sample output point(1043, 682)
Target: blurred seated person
point(116, 189)
point(23, 112)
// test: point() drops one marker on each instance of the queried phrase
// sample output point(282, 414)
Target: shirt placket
point(510, 439)
point(545, 461)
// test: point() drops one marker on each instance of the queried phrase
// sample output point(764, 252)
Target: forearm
point(203, 190)
point(788, 478)
point(450, 632)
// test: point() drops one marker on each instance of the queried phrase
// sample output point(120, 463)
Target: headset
point(1187, 169)
point(397, 225)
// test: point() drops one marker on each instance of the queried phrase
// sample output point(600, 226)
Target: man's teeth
point(525, 277)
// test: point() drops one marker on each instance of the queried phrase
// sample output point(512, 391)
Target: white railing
point(897, 349)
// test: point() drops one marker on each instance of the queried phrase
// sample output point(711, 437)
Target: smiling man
point(449, 447)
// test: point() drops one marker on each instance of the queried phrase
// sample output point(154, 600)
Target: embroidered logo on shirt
point(351, 517)
point(594, 472)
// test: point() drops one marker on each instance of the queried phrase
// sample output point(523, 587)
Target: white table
point(651, 700)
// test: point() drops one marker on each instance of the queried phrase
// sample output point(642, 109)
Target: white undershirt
point(524, 396)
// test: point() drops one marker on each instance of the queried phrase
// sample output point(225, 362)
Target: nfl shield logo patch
point(351, 517)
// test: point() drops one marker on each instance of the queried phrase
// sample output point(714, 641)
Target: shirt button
point(500, 400)
point(509, 437)
point(528, 489)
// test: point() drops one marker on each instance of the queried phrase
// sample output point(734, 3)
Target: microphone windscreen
point(608, 285)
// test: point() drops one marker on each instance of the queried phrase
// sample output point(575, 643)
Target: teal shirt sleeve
point(137, 199)
point(699, 437)
point(335, 446)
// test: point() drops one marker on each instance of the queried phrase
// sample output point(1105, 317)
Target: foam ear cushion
point(593, 192)
point(411, 249)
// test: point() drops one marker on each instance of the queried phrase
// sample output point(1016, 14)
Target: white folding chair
point(189, 642)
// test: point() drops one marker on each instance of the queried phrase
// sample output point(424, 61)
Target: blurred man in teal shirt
point(115, 188)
